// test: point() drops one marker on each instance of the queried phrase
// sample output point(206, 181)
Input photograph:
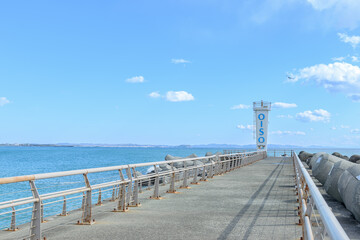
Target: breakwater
point(340, 176)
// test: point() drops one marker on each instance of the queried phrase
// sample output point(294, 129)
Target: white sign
point(261, 129)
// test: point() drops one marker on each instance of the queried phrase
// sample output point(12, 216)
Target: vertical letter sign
point(261, 129)
point(261, 110)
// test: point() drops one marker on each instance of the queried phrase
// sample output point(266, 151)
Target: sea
point(18, 161)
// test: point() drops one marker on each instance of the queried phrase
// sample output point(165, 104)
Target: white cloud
point(288, 133)
point(177, 61)
point(322, 4)
point(338, 59)
point(341, 59)
point(341, 13)
point(179, 96)
point(355, 131)
point(284, 116)
point(319, 115)
point(354, 59)
point(283, 105)
point(246, 127)
point(340, 127)
point(352, 40)
point(154, 95)
point(330, 13)
point(240, 106)
point(137, 79)
point(334, 77)
point(3, 101)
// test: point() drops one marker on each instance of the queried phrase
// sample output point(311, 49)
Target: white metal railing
point(279, 153)
point(125, 189)
point(316, 218)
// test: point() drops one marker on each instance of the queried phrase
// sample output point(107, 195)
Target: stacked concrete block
point(323, 165)
point(331, 184)
point(349, 189)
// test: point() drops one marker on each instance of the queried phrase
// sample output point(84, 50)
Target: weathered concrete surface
point(254, 202)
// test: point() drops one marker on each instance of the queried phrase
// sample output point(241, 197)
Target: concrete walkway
point(254, 202)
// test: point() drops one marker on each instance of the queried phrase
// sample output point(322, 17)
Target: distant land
point(212, 145)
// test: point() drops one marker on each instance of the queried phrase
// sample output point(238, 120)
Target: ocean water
point(17, 161)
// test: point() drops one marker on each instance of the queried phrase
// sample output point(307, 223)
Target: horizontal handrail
point(102, 169)
point(332, 225)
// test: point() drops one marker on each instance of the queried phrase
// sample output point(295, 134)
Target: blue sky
point(179, 72)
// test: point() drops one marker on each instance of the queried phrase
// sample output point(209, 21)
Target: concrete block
point(315, 158)
point(331, 183)
point(349, 189)
point(323, 165)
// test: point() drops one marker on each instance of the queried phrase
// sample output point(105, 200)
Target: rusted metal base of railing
point(134, 205)
point(172, 192)
point(86, 223)
point(156, 198)
point(187, 187)
point(12, 230)
point(116, 210)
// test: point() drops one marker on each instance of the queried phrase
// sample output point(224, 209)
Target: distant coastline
point(224, 146)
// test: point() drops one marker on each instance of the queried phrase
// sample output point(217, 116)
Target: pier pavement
point(253, 202)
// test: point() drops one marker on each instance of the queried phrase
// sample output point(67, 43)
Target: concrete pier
point(253, 202)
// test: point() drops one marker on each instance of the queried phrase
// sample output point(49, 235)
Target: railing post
point(185, 185)
point(227, 165)
point(121, 205)
point(135, 202)
point(156, 185)
point(233, 165)
point(220, 171)
point(230, 163)
point(129, 188)
point(211, 171)
point(195, 181)
point(309, 208)
point(13, 220)
point(172, 183)
point(86, 218)
point(64, 213)
point(99, 198)
point(35, 231)
point(203, 175)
